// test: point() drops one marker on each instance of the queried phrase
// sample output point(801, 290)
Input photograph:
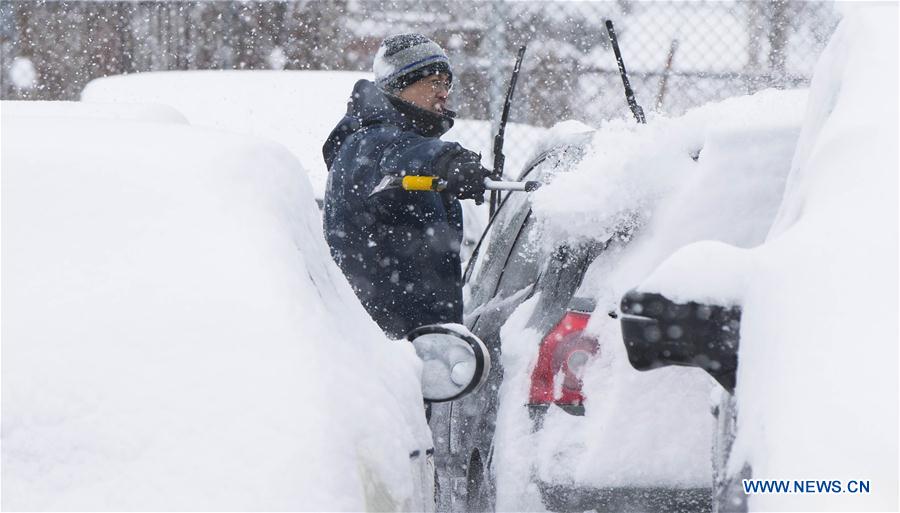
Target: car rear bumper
point(564, 497)
point(659, 500)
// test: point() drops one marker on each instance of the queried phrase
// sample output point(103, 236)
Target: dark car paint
point(657, 500)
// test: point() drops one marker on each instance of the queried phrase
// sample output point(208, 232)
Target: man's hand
point(464, 174)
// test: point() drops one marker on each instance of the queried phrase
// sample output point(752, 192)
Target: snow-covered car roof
point(297, 109)
point(172, 320)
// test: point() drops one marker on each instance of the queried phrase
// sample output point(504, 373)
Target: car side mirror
point(659, 332)
point(455, 362)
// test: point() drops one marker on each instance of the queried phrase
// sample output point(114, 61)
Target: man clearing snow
point(400, 249)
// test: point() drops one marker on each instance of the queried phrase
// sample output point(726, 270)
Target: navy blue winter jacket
point(399, 249)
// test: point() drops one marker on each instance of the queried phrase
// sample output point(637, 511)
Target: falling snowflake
point(277, 59)
point(22, 73)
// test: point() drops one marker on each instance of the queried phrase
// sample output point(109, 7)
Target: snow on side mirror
point(455, 361)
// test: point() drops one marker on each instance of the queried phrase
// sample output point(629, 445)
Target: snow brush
point(437, 184)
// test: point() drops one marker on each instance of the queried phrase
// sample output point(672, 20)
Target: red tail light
point(563, 353)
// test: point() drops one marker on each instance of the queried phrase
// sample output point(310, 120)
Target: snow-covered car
point(564, 422)
point(175, 334)
point(809, 403)
point(297, 109)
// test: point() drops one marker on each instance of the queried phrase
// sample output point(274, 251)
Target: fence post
point(778, 35)
point(495, 48)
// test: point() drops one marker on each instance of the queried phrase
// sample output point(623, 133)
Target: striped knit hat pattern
point(406, 58)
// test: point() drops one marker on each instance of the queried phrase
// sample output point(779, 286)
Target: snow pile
point(630, 169)
point(726, 274)
point(176, 336)
point(121, 111)
point(297, 109)
point(817, 385)
point(514, 443)
point(817, 389)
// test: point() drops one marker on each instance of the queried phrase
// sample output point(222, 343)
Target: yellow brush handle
point(419, 183)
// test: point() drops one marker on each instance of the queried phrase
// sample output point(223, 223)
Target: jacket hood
point(369, 105)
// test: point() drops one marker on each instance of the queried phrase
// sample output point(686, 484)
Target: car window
point(541, 168)
point(562, 272)
point(499, 225)
point(597, 292)
point(523, 264)
point(490, 261)
point(508, 233)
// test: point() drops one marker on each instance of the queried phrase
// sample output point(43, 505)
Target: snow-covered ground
point(792, 212)
point(175, 334)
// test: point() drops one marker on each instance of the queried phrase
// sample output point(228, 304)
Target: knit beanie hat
point(406, 58)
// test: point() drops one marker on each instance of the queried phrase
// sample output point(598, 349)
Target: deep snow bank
point(122, 111)
point(633, 173)
point(817, 389)
point(176, 336)
point(818, 380)
point(297, 109)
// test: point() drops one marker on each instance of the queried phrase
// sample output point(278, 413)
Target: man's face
point(429, 93)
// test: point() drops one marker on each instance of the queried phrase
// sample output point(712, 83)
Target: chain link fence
point(678, 54)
